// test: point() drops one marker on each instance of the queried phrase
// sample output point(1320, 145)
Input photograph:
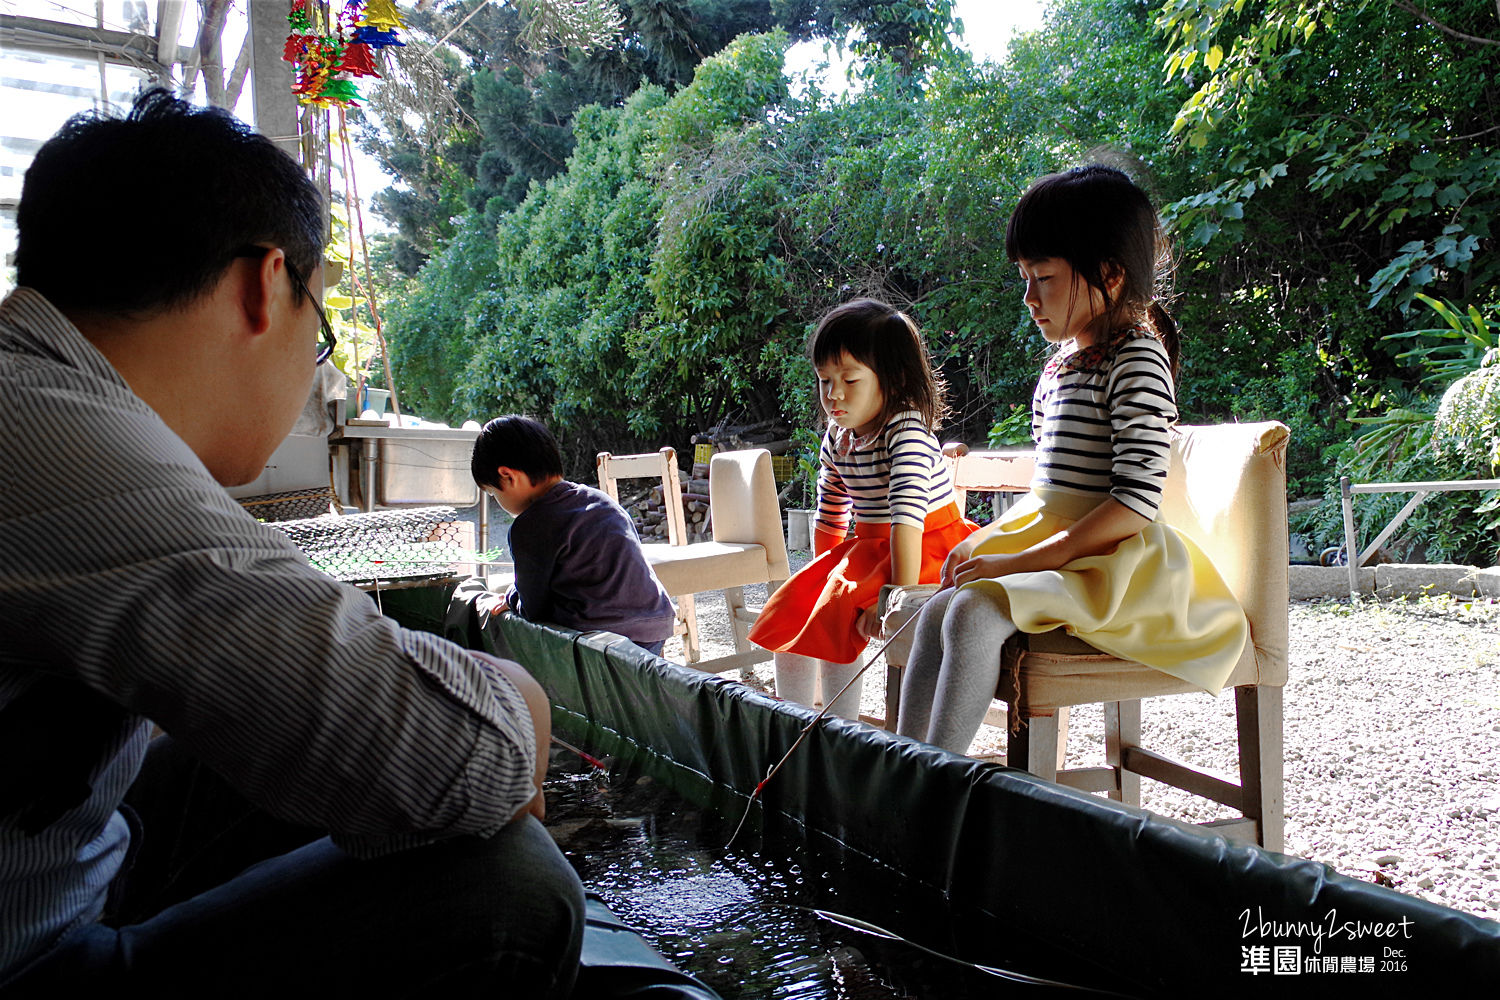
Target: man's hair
point(518, 443)
point(138, 214)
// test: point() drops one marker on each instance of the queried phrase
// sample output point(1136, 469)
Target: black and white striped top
point(133, 589)
point(897, 475)
point(1100, 418)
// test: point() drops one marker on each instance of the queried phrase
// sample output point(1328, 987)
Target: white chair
point(748, 545)
point(1226, 489)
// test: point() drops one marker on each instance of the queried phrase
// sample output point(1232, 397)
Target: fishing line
point(827, 704)
point(380, 606)
point(865, 927)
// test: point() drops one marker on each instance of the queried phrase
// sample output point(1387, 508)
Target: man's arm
point(125, 568)
point(290, 685)
point(541, 722)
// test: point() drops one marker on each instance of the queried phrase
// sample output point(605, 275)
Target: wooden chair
point(1005, 473)
point(1226, 490)
point(748, 545)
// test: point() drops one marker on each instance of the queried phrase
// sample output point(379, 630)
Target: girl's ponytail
point(1166, 332)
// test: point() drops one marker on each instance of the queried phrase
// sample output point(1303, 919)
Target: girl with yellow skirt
point(1084, 551)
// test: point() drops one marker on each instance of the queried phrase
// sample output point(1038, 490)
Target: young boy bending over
point(578, 559)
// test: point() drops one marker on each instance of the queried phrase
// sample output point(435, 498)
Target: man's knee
point(520, 905)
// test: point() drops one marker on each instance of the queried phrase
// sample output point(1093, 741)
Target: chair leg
point(1258, 716)
point(1122, 728)
point(1034, 748)
point(687, 614)
point(1062, 737)
point(734, 603)
point(1059, 723)
point(893, 673)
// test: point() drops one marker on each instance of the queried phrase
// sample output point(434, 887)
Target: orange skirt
point(814, 613)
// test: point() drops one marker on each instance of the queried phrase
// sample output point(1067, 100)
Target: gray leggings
point(954, 667)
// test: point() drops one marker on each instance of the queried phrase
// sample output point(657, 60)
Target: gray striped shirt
point(1100, 417)
point(134, 590)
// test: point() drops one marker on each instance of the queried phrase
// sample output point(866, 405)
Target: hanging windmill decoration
point(328, 62)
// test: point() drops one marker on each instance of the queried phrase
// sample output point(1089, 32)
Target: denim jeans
point(223, 900)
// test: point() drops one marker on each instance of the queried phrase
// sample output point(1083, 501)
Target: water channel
point(744, 919)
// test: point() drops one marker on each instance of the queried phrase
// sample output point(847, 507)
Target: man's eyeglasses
point(326, 339)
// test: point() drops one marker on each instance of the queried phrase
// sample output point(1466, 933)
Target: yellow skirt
point(1155, 599)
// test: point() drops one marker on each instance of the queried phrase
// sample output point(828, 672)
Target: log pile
point(649, 511)
point(772, 435)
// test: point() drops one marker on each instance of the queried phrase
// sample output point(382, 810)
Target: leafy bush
point(1445, 527)
point(667, 277)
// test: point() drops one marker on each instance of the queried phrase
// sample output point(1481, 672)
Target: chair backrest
point(657, 465)
point(744, 507)
point(1006, 471)
point(1226, 490)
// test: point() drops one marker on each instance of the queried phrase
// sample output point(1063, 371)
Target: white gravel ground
point(1392, 735)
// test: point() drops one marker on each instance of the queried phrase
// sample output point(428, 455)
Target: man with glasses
point(326, 340)
point(341, 805)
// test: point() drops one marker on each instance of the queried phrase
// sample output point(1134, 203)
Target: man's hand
point(868, 623)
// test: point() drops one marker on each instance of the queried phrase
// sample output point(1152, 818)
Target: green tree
point(1381, 116)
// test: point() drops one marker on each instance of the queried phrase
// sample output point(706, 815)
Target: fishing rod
point(589, 759)
point(827, 704)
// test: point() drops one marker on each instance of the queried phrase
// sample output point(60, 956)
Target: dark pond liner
point(1106, 887)
point(772, 915)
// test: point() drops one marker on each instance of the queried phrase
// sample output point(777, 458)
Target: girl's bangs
point(846, 330)
point(1038, 229)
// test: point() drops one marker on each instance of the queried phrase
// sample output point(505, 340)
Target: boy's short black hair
point(515, 442)
point(166, 198)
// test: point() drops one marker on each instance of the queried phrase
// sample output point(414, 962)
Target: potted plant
point(802, 490)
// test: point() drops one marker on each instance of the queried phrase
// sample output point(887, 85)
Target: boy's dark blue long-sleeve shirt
point(579, 564)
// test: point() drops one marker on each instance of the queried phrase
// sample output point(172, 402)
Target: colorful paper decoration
point(359, 60)
point(328, 62)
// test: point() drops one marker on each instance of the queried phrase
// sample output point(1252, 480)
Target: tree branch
point(1471, 135)
point(237, 76)
point(211, 59)
point(1413, 9)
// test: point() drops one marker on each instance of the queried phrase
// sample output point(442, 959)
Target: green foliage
point(467, 125)
point(1386, 119)
point(1443, 528)
point(912, 34)
point(569, 291)
point(1455, 349)
point(589, 24)
point(1465, 353)
point(1012, 430)
point(805, 446)
point(1467, 422)
point(633, 270)
point(429, 327)
point(728, 91)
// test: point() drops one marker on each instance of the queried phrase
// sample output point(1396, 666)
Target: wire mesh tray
point(386, 548)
